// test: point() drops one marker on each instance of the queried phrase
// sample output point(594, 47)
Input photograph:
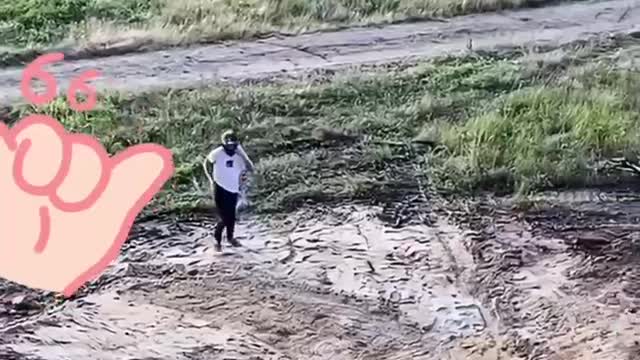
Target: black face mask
point(230, 149)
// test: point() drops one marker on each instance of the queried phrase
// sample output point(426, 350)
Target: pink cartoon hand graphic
point(66, 207)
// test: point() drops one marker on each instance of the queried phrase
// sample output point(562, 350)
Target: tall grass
point(546, 135)
point(32, 22)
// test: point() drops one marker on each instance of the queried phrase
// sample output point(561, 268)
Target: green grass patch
point(498, 126)
point(545, 135)
point(36, 22)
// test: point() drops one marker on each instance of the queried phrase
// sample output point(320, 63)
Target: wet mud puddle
point(344, 286)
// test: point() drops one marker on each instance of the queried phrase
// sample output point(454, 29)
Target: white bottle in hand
point(243, 201)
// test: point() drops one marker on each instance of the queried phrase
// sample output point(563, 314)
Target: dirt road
point(549, 26)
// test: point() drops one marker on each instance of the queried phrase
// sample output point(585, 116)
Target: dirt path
point(255, 60)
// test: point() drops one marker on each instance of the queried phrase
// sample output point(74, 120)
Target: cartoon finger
point(4, 137)
point(137, 174)
point(41, 158)
point(6, 153)
point(86, 178)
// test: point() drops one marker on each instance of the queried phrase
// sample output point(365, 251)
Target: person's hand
point(66, 207)
point(211, 187)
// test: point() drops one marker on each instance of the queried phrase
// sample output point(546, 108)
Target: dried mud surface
point(272, 57)
point(561, 280)
point(478, 281)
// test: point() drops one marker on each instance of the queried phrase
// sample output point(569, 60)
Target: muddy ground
point(547, 27)
point(471, 280)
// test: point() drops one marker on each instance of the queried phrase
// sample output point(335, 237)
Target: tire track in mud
point(561, 280)
point(341, 286)
point(551, 26)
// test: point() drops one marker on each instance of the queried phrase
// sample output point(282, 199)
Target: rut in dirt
point(560, 278)
point(549, 27)
point(338, 284)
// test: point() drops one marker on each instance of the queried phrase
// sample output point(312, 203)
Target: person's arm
point(210, 158)
point(247, 162)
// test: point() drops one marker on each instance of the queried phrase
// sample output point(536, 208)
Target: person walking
point(229, 161)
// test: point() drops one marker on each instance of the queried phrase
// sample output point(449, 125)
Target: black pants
point(226, 204)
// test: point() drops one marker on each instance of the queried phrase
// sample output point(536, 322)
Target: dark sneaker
point(217, 234)
point(218, 247)
point(234, 243)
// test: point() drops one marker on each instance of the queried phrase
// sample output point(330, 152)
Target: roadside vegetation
point(28, 27)
point(504, 124)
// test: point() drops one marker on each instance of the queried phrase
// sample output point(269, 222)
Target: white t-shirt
point(227, 169)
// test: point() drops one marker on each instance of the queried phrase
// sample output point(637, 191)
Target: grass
point(498, 125)
point(33, 26)
point(543, 136)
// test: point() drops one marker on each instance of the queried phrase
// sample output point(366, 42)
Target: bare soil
point(562, 279)
point(477, 280)
point(546, 27)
